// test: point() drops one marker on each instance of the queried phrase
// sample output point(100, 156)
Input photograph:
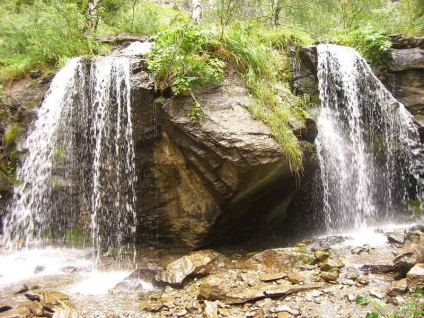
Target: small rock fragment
point(352, 273)
point(329, 276)
point(362, 281)
point(415, 277)
point(295, 278)
point(351, 298)
point(398, 301)
point(273, 276)
point(211, 309)
point(196, 263)
point(321, 255)
point(331, 263)
point(398, 287)
point(376, 294)
point(398, 238)
point(39, 269)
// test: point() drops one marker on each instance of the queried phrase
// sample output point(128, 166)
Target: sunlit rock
point(415, 276)
point(280, 258)
point(198, 263)
point(398, 287)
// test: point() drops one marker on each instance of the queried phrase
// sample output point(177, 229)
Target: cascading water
point(79, 174)
point(367, 143)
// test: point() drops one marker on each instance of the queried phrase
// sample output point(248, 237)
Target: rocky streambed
point(334, 276)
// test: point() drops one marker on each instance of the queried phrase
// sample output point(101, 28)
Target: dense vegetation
point(252, 36)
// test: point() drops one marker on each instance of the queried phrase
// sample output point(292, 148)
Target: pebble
point(376, 294)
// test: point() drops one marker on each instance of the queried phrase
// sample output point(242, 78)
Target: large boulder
point(406, 59)
point(218, 178)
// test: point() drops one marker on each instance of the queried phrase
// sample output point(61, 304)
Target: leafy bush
point(43, 37)
point(372, 44)
point(182, 58)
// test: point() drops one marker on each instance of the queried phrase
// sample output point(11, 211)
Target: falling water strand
point(367, 145)
point(29, 208)
point(79, 175)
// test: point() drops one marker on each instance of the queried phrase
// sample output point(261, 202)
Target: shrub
point(182, 59)
point(43, 37)
point(372, 44)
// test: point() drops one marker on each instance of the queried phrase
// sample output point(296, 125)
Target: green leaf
point(373, 314)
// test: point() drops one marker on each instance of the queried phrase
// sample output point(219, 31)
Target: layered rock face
point(221, 178)
point(406, 75)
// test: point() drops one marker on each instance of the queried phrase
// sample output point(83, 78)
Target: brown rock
point(151, 305)
point(398, 287)
point(196, 263)
point(273, 276)
point(19, 312)
point(321, 255)
point(410, 255)
point(415, 277)
point(244, 296)
point(207, 177)
point(278, 291)
point(329, 276)
point(280, 258)
point(331, 263)
point(295, 278)
point(214, 288)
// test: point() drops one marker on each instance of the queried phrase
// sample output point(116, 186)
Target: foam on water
point(22, 265)
point(98, 283)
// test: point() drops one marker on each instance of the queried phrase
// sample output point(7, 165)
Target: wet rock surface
point(300, 281)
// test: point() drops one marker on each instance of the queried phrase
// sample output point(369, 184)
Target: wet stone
point(321, 255)
point(20, 312)
point(395, 237)
point(39, 269)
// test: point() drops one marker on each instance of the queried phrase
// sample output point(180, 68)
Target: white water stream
point(77, 183)
point(368, 146)
point(79, 174)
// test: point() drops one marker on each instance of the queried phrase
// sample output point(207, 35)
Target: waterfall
point(79, 177)
point(368, 147)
